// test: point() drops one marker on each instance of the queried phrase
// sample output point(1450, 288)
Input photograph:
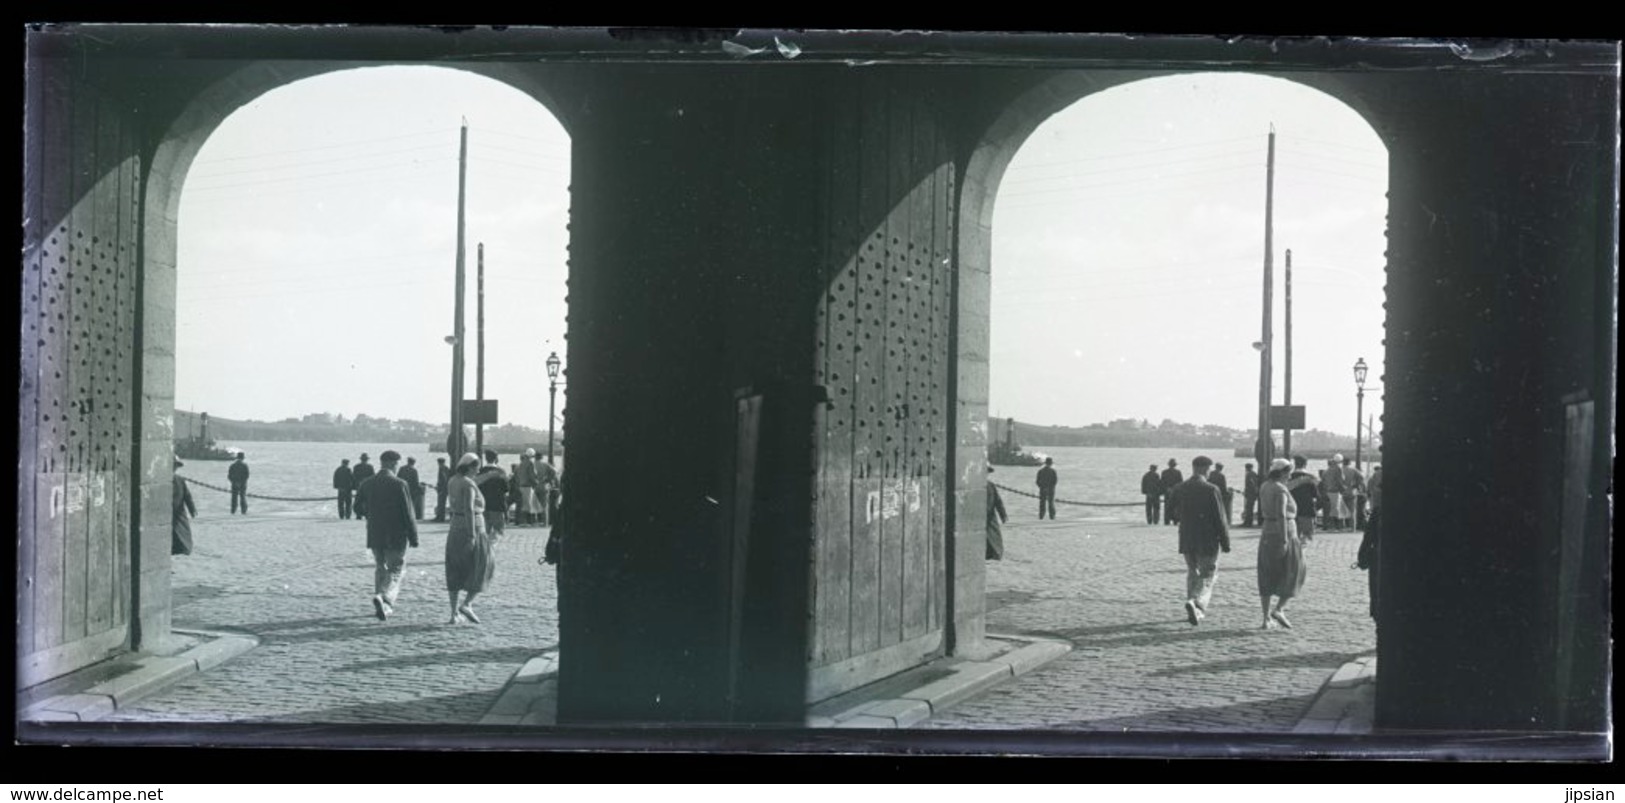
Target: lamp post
point(552, 396)
point(1359, 406)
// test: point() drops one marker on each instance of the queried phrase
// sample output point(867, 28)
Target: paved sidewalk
point(1115, 590)
point(302, 587)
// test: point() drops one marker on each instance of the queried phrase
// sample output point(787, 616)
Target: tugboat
point(1008, 453)
point(201, 446)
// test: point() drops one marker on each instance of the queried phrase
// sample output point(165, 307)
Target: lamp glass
point(1359, 372)
point(553, 365)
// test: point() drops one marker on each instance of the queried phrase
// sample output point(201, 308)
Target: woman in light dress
point(1281, 569)
point(468, 546)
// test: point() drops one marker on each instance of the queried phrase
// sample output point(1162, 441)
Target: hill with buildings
point(336, 428)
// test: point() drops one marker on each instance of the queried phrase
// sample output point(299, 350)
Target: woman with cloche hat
point(468, 545)
point(1280, 554)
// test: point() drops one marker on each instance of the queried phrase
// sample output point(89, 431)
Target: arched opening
point(1122, 280)
point(299, 271)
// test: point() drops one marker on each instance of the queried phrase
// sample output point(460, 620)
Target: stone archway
point(996, 143)
point(166, 166)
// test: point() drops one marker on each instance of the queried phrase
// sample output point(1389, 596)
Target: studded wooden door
point(74, 424)
point(879, 596)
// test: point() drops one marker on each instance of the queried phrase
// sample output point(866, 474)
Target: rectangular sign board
point(479, 412)
point(1286, 416)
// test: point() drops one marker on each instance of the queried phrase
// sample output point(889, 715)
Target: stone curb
point(1345, 702)
point(967, 680)
point(152, 673)
point(531, 695)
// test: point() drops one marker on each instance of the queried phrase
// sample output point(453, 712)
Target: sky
point(317, 249)
point(1128, 253)
point(318, 245)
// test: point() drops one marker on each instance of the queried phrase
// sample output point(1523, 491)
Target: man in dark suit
point(442, 479)
point(1250, 487)
point(1151, 486)
point(409, 475)
point(344, 483)
point(237, 475)
point(1046, 488)
point(362, 472)
point(1202, 535)
point(1216, 477)
point(391, 528)
point(1171, 478)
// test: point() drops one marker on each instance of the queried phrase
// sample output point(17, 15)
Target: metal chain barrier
point(258, 496)
point(1069, 501)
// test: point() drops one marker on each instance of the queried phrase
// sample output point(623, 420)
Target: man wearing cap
point(1203, 534)
point(1305, 490)
point(237, 475)
point(363, 472)
point(344, 483)
point(493, 484)
point(1046, 488)
point(1249, 489)
point(1171, 479)
point(409, 475)
point(1217, 479)
point(442, 478)
point(1151, 486)
point(391, 528)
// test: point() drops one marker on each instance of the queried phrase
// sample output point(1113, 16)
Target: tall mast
point(1265, 447)
point(454, 439)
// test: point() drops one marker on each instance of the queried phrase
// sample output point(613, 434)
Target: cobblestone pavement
point(1116, 592)
point(304, 585)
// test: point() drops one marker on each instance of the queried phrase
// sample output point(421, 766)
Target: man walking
point(1305, 490)
point(390, 530)
point(1203, 534)
point(363, 472)
point(442, 478)
point(1217, 478)
point(1250, 498)
point(409, 475)
point(344, 483)
point(1151, 486)
point(237, 475)
point(1171, 479)
point(1046, 489)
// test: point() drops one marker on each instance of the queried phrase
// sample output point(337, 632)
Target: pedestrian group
point(477, 501)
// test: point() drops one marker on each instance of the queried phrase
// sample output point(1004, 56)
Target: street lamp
point(1359, 406)
point(552, 395)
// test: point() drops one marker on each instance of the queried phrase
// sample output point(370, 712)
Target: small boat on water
point(202, 447)
point(1008, 453)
